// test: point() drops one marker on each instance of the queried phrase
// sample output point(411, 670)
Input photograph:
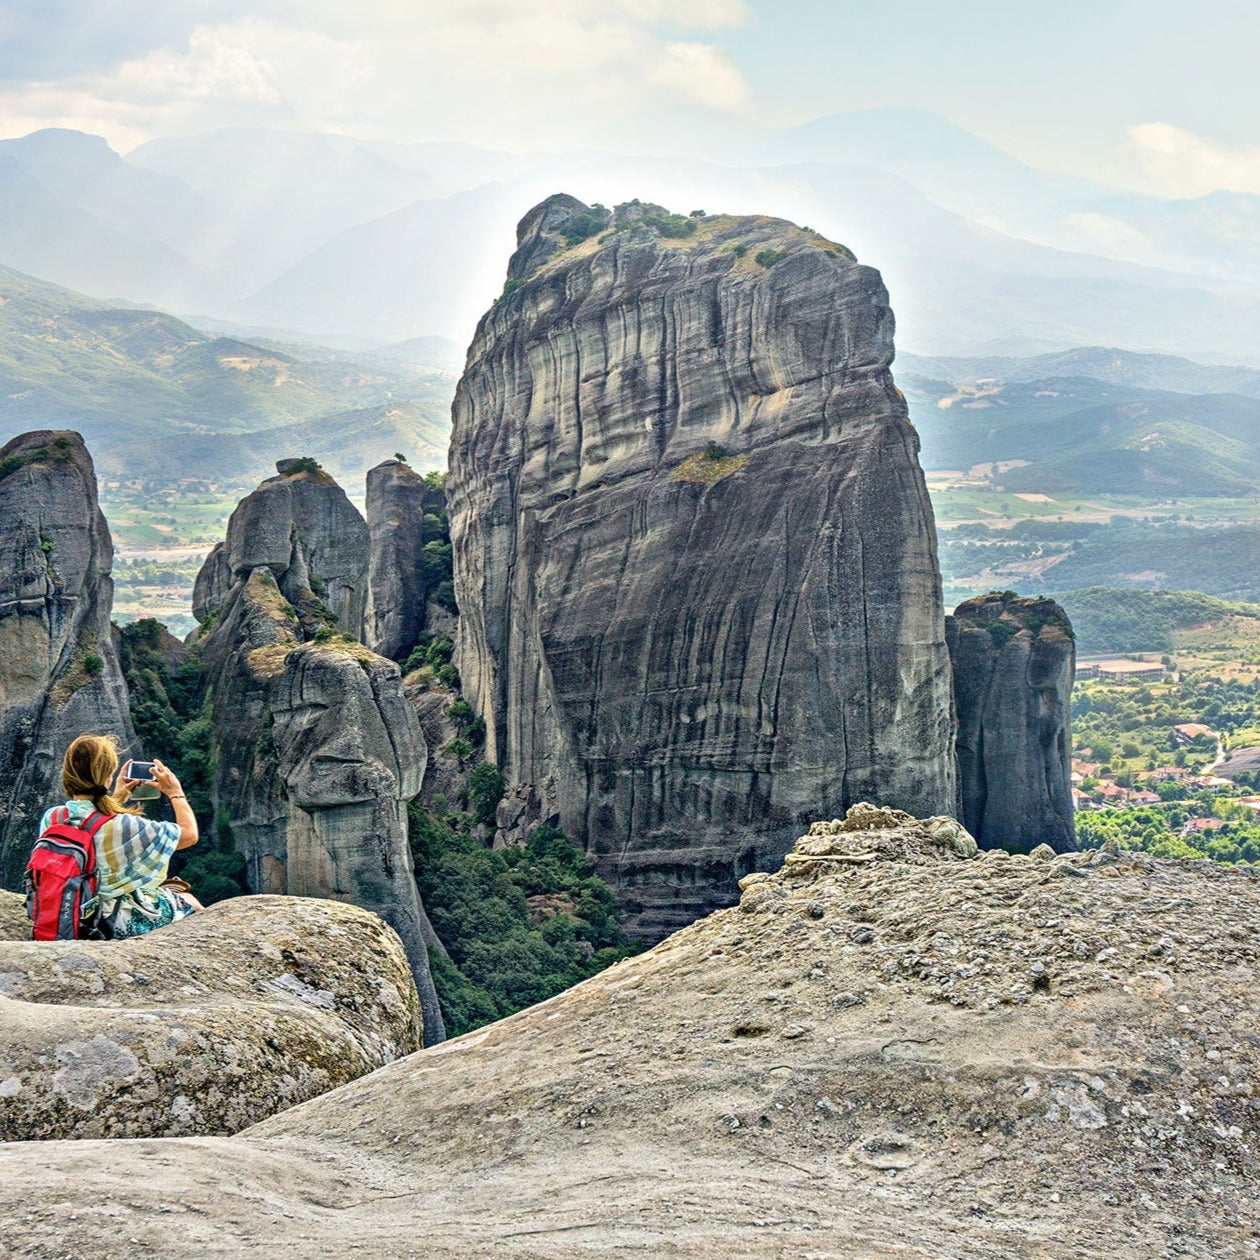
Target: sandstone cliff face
point(205, 1027)
point(1014, 662)
point(694, 553)
point(894, 1047)
point(317, 749)
point(395, 614)
point(59, 672)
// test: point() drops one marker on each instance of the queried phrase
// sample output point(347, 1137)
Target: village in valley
point(1167, 759)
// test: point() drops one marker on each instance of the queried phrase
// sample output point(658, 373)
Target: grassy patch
point(709, 466)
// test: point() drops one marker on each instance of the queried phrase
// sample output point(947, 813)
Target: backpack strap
point(94, 822)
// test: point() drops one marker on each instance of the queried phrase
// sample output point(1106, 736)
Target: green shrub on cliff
point(675, 226)
point(585, 223)
point(519, 924)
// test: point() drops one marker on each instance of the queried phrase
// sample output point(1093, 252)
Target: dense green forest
point(1109, 620)
point(1156, 830)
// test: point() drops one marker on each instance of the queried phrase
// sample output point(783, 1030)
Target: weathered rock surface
point(694, 553)
point(204, 1027)
point(397, 591)
point(1014, 661)
point(300, 525)
point(891, 1048)
point(317, 749)
point(59, 672)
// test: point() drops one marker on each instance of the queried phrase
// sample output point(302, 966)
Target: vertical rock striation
point(318, 751)
point(1014, 662)
point(59, 672)
point(397, 591)
point(694, 553)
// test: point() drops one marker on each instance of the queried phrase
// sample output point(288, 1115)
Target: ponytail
point(89, 767)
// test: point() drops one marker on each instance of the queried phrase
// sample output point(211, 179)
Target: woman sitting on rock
point(132, 851)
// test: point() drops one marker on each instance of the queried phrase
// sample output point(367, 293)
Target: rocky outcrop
point(1014, 661)
point(397, 591)
point(895, 1046)
point(59, 671)
point(204, 1027)
point(694, 554)
point(317, 751)
point(300, 525)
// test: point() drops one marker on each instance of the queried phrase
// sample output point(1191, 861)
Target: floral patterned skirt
point(141, 912)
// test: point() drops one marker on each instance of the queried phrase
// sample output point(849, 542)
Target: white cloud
point(502, 73)
point(219, 65)
point(1187, 165)
point(702, 73)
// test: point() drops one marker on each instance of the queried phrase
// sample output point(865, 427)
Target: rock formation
point(300, 525)
point(895, 1046)
point(695, 557)
point(317, 750)
point(204, 1027)
point(1014, 661)
point(59, 672)
point(397, 592)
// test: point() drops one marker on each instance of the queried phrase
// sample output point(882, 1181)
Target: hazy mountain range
point(1091, 421)
point(158, 398)
point(361, 244)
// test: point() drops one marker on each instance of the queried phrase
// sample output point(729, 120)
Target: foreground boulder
point(59, 672)
point(694, 553)
point(897, 1046)
point(1014, 662)
point(204, 1027)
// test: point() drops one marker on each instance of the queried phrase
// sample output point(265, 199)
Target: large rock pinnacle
point(694, 552)
point(397, 590)
point(1014, 661)
point(59, 672)
point(317, 751)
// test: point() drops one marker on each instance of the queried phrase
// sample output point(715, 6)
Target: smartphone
point(142, 773)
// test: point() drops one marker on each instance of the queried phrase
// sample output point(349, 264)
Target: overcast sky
point(1158, 94)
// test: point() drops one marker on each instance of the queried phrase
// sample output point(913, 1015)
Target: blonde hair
point(88, 769)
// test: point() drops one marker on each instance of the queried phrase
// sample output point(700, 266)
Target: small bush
point(486, 786)
point(585, 223)
point(1002, 632)
point(669, 225)
point(458, 750)
point(92, 665)
point(768, 257)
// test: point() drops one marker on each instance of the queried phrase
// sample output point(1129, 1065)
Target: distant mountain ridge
point(1089, 421)
point(156, 397)
point(332, 236)
point(1100, 363)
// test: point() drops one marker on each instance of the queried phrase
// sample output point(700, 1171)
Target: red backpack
point(61, 878)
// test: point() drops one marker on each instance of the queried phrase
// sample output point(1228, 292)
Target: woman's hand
point(166, 780)
point(123, 786)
